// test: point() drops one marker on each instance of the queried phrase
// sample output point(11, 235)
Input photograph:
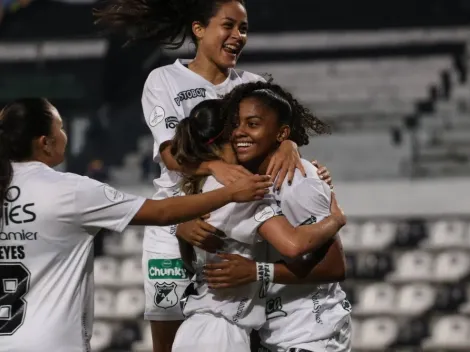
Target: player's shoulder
point(247, 77)
point(163, 74)
point(211, 184)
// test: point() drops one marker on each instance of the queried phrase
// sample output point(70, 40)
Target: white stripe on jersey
point(169, 95)
point(243, 305)
point(46, 258)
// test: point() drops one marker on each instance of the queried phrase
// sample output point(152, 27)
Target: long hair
point(302, 122)
point(164, 22)
point(199, 138)
point(21, 122)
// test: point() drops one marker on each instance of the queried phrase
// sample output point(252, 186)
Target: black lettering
point(21, 254)
point(27, 211)
point(5, 214)
point(12, 214)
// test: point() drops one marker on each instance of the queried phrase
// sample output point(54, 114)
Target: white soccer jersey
point(170, 93)
point(299, 314)
point(242, 305)
point(46, 258)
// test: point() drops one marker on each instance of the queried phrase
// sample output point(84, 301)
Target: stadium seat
point(104, 303)
point(415, 299)
point(373, 266)
point(377, 235)
point(112, 244)
point(145, 345)
point(106, 271)
point(413, 266)
point(131, 272)
point(376, 334)
point(377, 298)
point(449, 332)
point(132, 241)
point(102, 336)
point(452, 266)
point(411, 233)
point(125, 335)
point(350, 266)
point(450, 297)
point(445, 235)
point(412, 332)
point(130, 303)
point(350, 237)
point(356, 333)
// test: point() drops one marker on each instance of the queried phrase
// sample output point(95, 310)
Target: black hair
point(165, 22)
point(300, 119)
point(21, 122)
point(199, 136)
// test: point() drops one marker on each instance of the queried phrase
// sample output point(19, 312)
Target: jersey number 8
point(14, 284)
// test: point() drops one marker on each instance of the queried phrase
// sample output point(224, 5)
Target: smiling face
point(223, 39)
point(258, 132)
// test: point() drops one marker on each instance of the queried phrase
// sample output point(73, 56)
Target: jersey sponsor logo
point(190, 94)
point(346, 305)
point(317, 307)
point(171, 122)
point(240, 310)
point(113, 194)
point(311, 220)
point(274, 308)
point(157, 116)
point(162, 269)
point(18, 236)
point(14, 213)
point(264, 212)
point(165, 295)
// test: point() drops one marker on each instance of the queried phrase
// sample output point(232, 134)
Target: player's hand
point(284, 162)
point(323, 173)
point(336, 212)
point(234, 271)
point(250, 188)
point(199, 233)
point(227, 173)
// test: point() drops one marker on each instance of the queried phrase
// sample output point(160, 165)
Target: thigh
point(163, 334)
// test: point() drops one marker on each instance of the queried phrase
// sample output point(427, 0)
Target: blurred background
point(391, 77)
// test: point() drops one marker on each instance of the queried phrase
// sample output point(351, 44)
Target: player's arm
point(327, 265)
point(97, 205)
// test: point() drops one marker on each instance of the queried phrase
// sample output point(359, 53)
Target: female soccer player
point(311, 317)
point(218, 28)
point(223, 320)
point(48, 221)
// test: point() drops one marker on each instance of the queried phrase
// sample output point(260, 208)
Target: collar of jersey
point(182, 65)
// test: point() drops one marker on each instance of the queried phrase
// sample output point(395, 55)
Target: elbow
point(292, 251)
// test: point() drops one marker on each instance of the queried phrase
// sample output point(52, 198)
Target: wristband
point(265, 274)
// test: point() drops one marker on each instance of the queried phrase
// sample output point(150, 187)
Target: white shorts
point(340, 342)
point(206, 332)
point(165, 280)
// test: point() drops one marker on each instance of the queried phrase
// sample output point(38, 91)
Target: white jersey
point(46, 257)
point(298, 314)
point(242, 305)
point(170, 93)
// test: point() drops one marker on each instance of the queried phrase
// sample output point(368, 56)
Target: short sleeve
point(161, 113)
point(102, 206)
point(306, 202)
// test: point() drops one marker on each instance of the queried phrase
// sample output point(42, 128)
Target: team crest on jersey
point(165, 295)
point(274, 308)
point(346, 305)
point(190, 94)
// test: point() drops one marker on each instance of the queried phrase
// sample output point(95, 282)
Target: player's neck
point(259, 166)
point(208, 70)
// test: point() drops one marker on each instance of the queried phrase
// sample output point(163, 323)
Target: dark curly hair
point(302, 122)
point(165, 22)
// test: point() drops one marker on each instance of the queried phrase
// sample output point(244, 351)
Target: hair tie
point(212, 140)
